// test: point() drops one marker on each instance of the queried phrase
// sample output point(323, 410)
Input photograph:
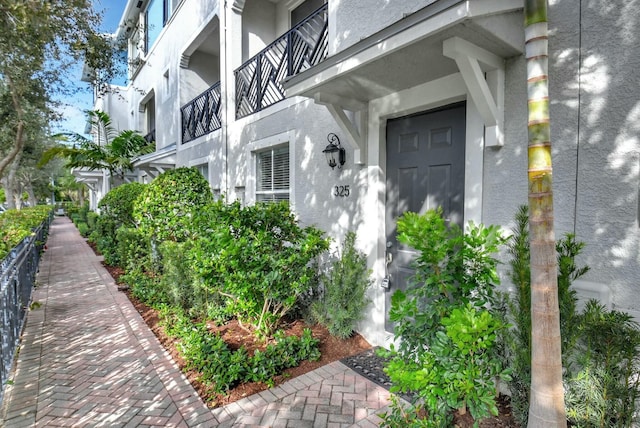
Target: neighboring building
point(428, 97)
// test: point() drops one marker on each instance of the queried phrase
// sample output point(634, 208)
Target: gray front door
point(425, 170)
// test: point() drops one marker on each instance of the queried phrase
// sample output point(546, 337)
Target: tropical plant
point(518, 338)
point(448, 306)
point(109, 149)
point(546, 403)
point(343, 297)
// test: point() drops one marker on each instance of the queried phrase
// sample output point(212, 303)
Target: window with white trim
point(272, 174)
point(204, 170)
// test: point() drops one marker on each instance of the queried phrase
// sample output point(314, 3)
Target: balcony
point(150, 137)
point(201, 115)
point(259, 80)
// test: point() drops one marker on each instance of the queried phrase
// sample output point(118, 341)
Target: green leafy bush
point(185, 288)
point(146, 288)
point(132, 250)
point(92, 218)
point(116, 211)
point(118, 203)
point(15, 225)
point(258, 258)
point(165, 209)
point(343, 299)
point(83, 228)
point(447, 307)
point(605, 388)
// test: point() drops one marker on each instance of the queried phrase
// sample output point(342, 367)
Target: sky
point(74, 107)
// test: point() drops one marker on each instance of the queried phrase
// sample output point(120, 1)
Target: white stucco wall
point(114, 103)
point(312, 179)
point(162, 60)
point(351, 21)
point(595, 116)
point(258, 26)
point(203, 71)
point(608, 178)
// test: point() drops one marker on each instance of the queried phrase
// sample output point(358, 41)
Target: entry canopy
point(471, 37)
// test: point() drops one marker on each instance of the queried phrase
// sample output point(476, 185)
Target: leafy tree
point(25, 178)
point(108, 150)
point(546, 405)
point(38, 43)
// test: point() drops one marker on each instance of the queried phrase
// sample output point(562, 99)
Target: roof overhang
point(157, 162)
point(86, 175)
point(471, 37)
point(410, 52)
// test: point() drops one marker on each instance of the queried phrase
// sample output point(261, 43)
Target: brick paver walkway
point(88, 359)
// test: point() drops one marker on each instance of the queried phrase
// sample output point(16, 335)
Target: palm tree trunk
point(546, 402)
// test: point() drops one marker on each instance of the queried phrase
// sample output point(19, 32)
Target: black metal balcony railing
point(202, 114)
point(150, 137)
point(258, 81)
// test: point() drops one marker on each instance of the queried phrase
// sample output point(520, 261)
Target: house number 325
point(341, 191)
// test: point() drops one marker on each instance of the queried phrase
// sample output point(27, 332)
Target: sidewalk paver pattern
point(88, 360)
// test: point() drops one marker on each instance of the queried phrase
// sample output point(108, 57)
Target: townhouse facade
point(358, 110)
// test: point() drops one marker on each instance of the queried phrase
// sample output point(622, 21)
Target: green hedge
point(15, 225)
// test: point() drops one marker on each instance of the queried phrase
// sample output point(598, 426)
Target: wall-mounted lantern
point(335, 153)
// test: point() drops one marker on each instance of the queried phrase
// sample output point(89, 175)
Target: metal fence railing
point(17, 278)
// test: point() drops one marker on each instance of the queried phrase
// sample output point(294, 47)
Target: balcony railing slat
point(259, 80)
point(201, 115)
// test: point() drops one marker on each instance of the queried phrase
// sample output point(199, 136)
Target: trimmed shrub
point(132, 250)
point(117, 205)
point(15, 225)
point(116, 210)
point(165, 209)
point(83, 228)
point(92, 219)
point(258, 258)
